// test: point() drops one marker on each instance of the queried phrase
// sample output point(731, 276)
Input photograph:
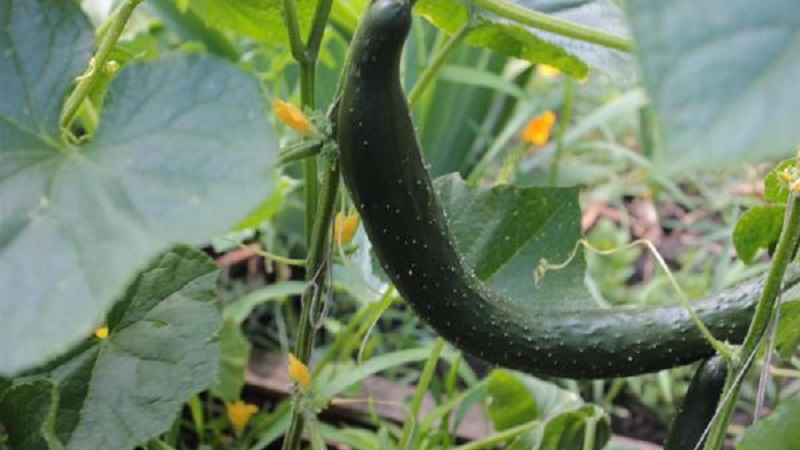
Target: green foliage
point(234, 354)
point(723, 88)
point(27, 411)
point(758, 227)
point(775, 190)
point(258, 19)
point(182, 152)
point(778, 431)
point(563, 418)
point(504, 231)
point(508, 38)
point(131, 375)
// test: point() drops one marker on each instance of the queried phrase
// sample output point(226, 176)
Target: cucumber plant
point(383, 168)
point(110, 155)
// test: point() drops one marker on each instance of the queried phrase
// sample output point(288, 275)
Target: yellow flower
point(546, 71)
point(101, 333)
point(786, 176)
point(344, 227)
point(239, 413)
point(537, 131)
point(298, 372)
point(292, 116)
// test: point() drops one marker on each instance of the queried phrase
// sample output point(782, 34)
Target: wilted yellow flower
point(101, 333)
point(344, 227)
point(537, 131)
point(546, 71)
point(292, 116)
point(239, 413)
point(298, 372)
point(786, 176)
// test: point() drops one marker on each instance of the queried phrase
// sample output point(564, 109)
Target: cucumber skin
point(384, 171)
point(698, 406)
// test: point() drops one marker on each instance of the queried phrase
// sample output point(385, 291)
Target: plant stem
point(419, 393)
point(563, 122)
point(318, 28)
point(546, 22)
point(438, 60)
point(310, 300)
point(765, 309)
point(300, 150)
point(293, 30)
point(319, 205)
point(87, 81)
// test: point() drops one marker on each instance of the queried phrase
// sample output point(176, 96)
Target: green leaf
point(778, 431)
point(516, 399)
point(27, 411)
point(774, 189)
point(234, 350)
point(511, 404)
point(502, 36)
point(162, 348)
point(759, 227)
point(258, 19)
point(182, 152)
point(573, 57)
point(568, 430)
point(602, 15)
point(505, 231)
point(720, 74)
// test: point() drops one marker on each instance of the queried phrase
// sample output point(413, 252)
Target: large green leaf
point(502, 36)
point(27, 413)
point(516, 399)
point(512, 39)
point(120, 391)
point(778, 431)
point(182, 152)
point(259, 19)
point(721, 75)
point(602, 15)
point(505, 231)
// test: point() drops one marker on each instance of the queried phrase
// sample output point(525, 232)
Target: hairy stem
point(546, 22)
point(765, 309)
point(87, 81)
point(319, 205)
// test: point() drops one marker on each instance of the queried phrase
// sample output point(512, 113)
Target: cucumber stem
point(546, 22)
point(87, 81)
point(765, 309)
point(317, 220)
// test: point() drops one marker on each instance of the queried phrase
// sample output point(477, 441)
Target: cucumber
point(698, 406)
point(382, 165)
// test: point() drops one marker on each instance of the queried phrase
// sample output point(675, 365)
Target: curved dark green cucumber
point(698, 406)
point(383, 168)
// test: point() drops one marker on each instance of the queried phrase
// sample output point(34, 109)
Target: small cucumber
point(384, 171)
point(698, 406)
